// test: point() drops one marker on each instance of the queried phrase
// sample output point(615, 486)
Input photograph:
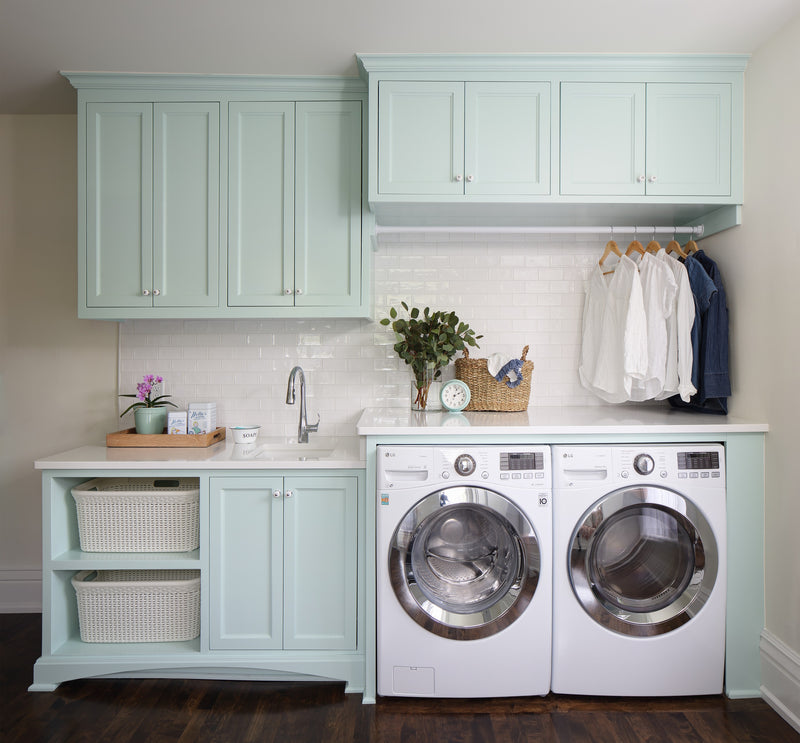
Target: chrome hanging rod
point(644, 230)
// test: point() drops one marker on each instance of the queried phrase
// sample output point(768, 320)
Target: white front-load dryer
point(639, 569)
point(464, 574)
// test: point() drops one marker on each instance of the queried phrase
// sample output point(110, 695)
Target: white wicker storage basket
point(138, 605)
point(138, 514)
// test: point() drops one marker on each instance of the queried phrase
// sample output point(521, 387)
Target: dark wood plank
point(185, 711)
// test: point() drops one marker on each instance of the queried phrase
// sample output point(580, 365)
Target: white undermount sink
point(283, 451)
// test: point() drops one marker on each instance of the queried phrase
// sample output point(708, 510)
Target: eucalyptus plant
point(427, 341)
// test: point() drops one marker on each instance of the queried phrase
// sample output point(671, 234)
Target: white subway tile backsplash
point(515, 290)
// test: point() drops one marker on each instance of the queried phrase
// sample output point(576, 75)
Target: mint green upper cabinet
point(295, 201)
point(283, 563)
point(421, 138)
point(261, 204)
point(688, 139)
point(507, 145)
point(328, 199)
point(152, 205)
point(646, 139)
point(463, 139)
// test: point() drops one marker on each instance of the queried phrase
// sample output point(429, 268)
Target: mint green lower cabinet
point(283, 563)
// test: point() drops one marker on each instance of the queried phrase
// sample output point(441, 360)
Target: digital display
point(515, 461)
point(698, 460)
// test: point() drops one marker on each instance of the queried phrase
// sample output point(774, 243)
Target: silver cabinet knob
point(289, 493)
point(287, 291)
point(298, 291)
point(641, 179)
point(146, 292)
point(459, 178)
point(652, 179)
point(470, 178)
point(156, 292)
point(276, 493)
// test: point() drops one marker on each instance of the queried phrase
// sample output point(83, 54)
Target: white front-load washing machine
point(639, 569)
point(464, 575)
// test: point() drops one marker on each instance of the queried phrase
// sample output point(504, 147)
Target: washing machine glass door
point(643, 561)
point(464, 562)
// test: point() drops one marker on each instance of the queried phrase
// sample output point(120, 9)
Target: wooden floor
point(157, 711)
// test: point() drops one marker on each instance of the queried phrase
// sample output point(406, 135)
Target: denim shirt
point(711, 354)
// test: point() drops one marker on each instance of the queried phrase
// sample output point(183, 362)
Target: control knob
point(644, 464)
point(464, 465)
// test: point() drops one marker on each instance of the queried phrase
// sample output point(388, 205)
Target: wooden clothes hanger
point(673, 246)
point(611, 247)
point(691, 247)
point(635, 247)
point(653, 246)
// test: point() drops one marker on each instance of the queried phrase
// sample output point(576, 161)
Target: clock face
point(455, 395)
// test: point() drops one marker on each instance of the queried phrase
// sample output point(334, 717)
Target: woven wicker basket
point(138, 605)
point(486, 393)
point(138, 514)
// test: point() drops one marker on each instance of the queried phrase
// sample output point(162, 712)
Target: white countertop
point(319, 453)
point(622, 419)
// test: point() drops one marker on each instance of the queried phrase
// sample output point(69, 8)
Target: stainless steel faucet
point(303, 429)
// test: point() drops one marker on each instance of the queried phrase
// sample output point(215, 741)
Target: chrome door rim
point(699, 585)
point(475, 625)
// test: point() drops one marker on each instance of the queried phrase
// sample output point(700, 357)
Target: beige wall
point(58, 375)
point(761, 263)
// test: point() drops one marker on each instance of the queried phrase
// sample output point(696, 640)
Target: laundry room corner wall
point(57, 373)
point(760, 262)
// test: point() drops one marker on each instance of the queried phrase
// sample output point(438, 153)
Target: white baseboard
point(780, 678)
point(20, 591)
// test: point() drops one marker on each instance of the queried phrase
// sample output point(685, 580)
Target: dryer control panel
point(582, 466)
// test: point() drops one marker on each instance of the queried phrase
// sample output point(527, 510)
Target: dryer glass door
point(643, 561)
point(464, 562)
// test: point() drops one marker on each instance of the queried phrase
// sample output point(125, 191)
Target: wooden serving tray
point(129, 437)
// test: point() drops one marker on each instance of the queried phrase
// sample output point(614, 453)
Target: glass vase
point(425, 389)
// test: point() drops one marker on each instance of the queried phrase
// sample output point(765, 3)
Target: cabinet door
point(328, 204)
point(420, 138)
point(186, 205)
point(119, 204)
point(321, 538)
point(246, 563)
point(261, 204)
point(507, 138)
point(603, 139)
point(688, 139)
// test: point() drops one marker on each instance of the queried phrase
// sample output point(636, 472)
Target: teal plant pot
point(150, 420)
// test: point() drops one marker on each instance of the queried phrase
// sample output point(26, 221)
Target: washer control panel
point(411, 466)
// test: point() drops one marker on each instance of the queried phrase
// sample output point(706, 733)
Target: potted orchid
point(149, 412)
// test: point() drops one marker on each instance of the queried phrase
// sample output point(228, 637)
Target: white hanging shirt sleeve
point(682, 322)
point(659, 289)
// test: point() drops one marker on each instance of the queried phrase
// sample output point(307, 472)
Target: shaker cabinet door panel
point(421, 138)
point(689, 139)
point(320, 534)
point(186, 205)
point(328, 204)
point(261, 204)
point(119, 204)
point(507, 145)
point(602, 139)
point(246, 570)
